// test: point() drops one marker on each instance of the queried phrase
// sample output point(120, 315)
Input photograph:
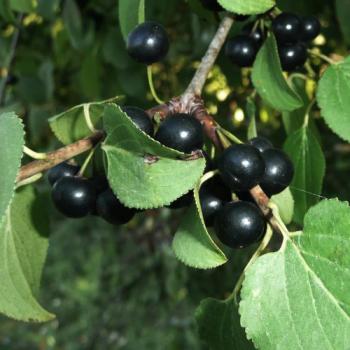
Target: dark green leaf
point(131, 13)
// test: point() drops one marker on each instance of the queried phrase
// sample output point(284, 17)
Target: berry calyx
point(112, 210)
point(261, 143)
point(62, 170)
point(241, 50)
point(212, 5)
point(292, 56)
point(310, 28)
point(74, 197)
point(140, 118)
point(256, 34)
point(181, 132)
point(148, 43)
point(287, 28)
point(239, 224)
point(279, 171)
point(241, 167)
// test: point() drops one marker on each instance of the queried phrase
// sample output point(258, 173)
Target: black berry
point(182, 202)
point(241, 50)
point(256, 34)
point(62, 170)
point(212, 5)
point(140, 118)
point(310, 28)
point(74, 197)
point(213, 195)
point(261, 143)
point(287, 28)
point(182, 132)
point(279, 171)
point(292, 56)
point(112, 210)
point(148, 43)
point(241, 167)
point(239, 224)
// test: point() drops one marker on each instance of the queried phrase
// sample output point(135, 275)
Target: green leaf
point(219, 325)
point(11, 146)
point(70, 125)
point(251, 111)
point(23, 247)
point(73, 22)
point(143, 173)
point(247, 7)
point(285, 204)
point(269, 81)
point(343, 13)
point(131, 13)
point(6, 12)
point(309, 163)
point(23, 5)
point(333, 98)
point(298, 297)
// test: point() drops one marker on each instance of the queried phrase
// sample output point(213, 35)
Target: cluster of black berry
point(292, 34)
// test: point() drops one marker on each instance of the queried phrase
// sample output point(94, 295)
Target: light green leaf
point(269, 81)
point(71, 126)
point(11, 148)
point(343, 13)
point(247, 7)
point(219, 325)
point(143, 173)
point(309, 163)
point(23, 5)
point(23, 247)
point(131, 13)
point(298, 297)
point(333, 98)
point(285, 204)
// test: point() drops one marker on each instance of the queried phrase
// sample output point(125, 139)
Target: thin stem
point(87, 117)
point(197, 84)
point(33, 154)
point(223, 139)
point(86, 162)
point(321, 56)
point(10, 58)
point(264, 243)
point(297, 75)
point(29, 180)
point(229, 135)
point(307, 113)
point(151, 85)
point(295, 234)
point(312, 74)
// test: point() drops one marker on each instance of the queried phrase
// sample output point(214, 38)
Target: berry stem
point(229, 135)
point(321, 56)
point(151, 85)
point(35, 155)
point(87, 117)
point(86, 162)
point(29, 180)
point(307, 113)
point(264, 243)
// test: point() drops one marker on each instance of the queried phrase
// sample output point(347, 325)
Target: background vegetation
point(115, 288)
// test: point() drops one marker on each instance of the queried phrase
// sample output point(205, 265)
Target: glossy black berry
point(255, 33)
point(62, 170)
point(239, 224)
point(182, 132)
point(310, 28)
point(261, 143)
point(279, 171)
point(212, 5)
point(74, 197)
point(212, 198)
point(140, 118)
point(241, 167)
point(148, 43)
point(112, 210)
point(292, 56)
point(241, 50)
point(287, 28)
point(182, 202)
